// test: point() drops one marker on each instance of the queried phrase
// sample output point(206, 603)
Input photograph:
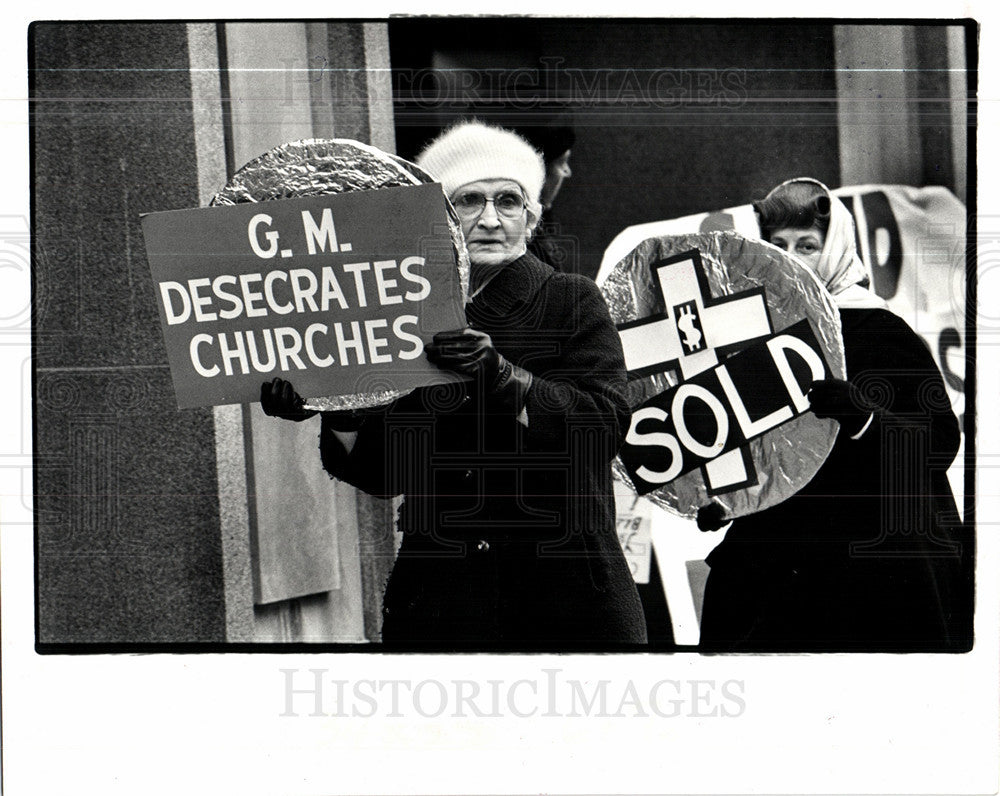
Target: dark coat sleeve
point(588, 385)
point(894, 369)
point(366, 466)
point(863, 557)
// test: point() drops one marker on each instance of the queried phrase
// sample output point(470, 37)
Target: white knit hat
point(473, 151)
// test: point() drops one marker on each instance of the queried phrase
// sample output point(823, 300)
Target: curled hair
point(534, 215)
point(795, 204)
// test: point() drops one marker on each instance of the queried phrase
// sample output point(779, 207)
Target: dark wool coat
point(870, 555)
point(509, 537)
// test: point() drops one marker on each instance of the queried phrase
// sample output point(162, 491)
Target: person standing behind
point(555, 142)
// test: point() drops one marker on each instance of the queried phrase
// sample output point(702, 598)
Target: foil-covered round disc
point(318, 166)
point(786, 457)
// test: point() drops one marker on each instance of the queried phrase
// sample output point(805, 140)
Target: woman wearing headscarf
point(508, 520)
point(870, 554)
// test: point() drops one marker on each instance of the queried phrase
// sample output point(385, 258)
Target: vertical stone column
point(282, 82)
point(879, 140)
point(128, 515)
point(901, 105)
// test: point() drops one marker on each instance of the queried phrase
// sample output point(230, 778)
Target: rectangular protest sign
point(337, 293)
point(635, 537)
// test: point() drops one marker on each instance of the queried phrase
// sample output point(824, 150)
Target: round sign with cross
point(722, 337)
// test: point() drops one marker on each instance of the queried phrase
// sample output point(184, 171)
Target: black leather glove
point(279, 399)
point(466, 351)
point(470, 352)
point(711, 517)
point(842, 401)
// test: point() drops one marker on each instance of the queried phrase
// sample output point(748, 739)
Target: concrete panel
point(128, 525)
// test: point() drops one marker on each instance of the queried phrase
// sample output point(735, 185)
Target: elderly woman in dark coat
point(871, 554)
point(508, 519)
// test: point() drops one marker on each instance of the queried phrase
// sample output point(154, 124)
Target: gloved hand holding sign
point(712, 517)
point(466, 351)
point(278, 398)
point(471, 353)
point(842, 401)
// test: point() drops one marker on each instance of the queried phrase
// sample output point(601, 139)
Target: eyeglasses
point(470, 205)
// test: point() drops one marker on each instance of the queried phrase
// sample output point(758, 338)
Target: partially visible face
point(557, 172)
point(493, 239)
point(806, 243)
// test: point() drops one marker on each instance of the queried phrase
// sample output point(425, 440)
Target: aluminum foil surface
point(318, 166)
point(787, 457)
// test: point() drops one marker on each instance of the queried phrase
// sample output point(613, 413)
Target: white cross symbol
point(655, 344)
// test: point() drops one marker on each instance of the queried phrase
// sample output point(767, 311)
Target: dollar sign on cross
point(688, 337)
point(686, 323)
